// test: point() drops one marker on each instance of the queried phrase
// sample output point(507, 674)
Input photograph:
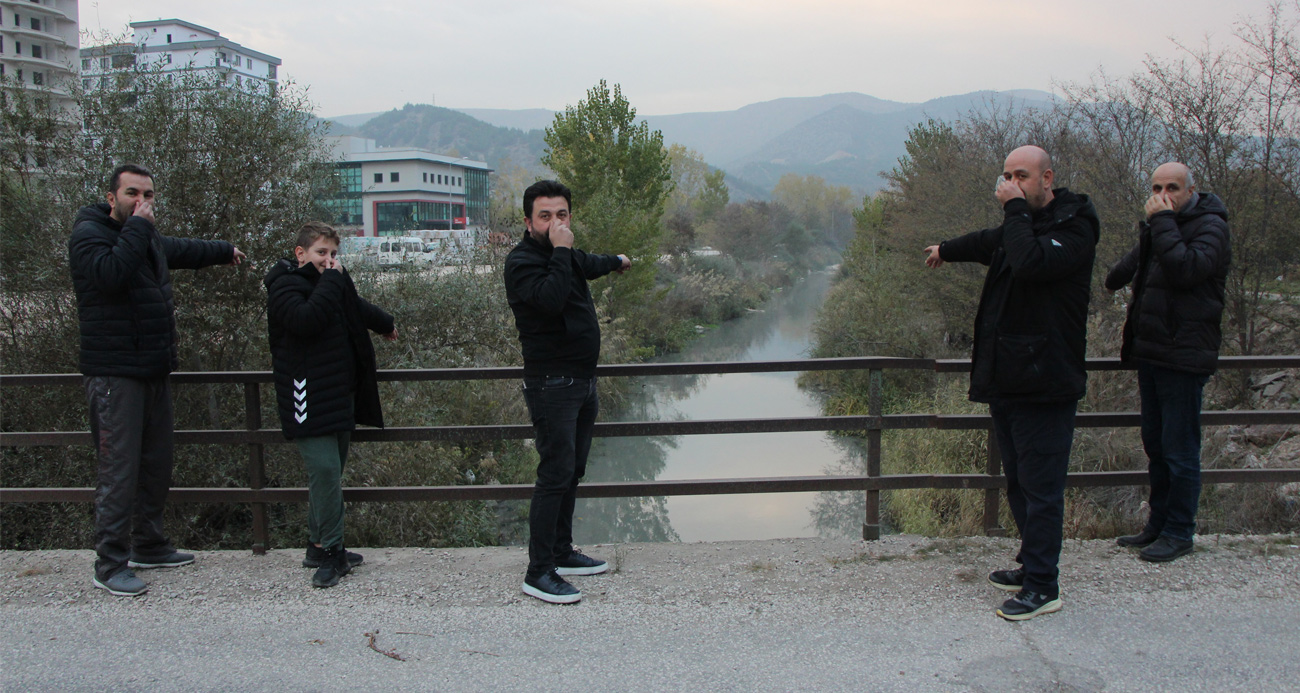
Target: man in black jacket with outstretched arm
point(1028, 359)
point(546, 285)
point(120, 270)
point(1178, 269)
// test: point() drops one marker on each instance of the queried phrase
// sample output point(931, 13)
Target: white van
point(386, 252)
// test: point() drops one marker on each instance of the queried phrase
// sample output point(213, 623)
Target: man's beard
point(544, 241)
point(123, 211)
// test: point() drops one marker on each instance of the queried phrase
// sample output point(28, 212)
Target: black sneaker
point(550, 587)
point(1027, 605)
point(333, 566)
point(580, 564)
point(1009, 580)
point(1164, 549)
point(316, 554)
point(170, 559)
point(1142, 539)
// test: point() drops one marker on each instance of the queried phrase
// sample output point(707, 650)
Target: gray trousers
point(131, 425)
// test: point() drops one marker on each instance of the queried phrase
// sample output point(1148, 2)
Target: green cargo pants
point(325, 456)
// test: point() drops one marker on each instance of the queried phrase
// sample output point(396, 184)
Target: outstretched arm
point(192, 253)
point(596, 266)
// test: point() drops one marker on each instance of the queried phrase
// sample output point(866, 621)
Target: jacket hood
point(100, 213)
point(1206, 203)
point(286, 266)
point(1067, 204)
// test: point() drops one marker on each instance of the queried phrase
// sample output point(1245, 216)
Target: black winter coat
point(321, 353)
point(1031, 327)
point(120, 272)
point(1178, 269)
point(547, 291)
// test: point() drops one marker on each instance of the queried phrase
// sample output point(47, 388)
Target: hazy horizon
point(674, 56)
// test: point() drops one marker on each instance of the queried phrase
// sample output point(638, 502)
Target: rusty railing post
point(871, 522)
point(256, 465)
point(991, 507)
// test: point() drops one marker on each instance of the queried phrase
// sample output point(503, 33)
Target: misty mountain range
point(847, 139)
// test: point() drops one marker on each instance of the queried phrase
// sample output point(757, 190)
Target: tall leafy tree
point(621, 176)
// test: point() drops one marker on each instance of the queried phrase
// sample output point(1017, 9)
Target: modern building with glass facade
point(393, 191)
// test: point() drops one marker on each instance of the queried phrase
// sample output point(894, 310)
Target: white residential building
point(175, 44)
point(390, 191)
point(39, 40)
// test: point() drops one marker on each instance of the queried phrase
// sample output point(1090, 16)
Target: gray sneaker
point(123, 583)
point(165, 560)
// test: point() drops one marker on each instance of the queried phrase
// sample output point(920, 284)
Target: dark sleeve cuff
point(1016, 205)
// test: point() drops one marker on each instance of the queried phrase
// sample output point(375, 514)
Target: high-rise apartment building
point(174, 45)
point(39, 40)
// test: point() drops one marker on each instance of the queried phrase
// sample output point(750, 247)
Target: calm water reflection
point(782, 331)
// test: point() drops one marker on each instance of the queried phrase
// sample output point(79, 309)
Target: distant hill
point(848, 146)
point(526, 119)
point(355, 120)
point(848, 138)
point(451, 132)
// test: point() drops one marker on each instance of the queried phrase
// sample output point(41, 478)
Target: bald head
point(1175, 169)
point(1031, 156)
point(1173, 180)
point(1030, 167)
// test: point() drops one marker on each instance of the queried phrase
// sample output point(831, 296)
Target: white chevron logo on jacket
point(300, 394)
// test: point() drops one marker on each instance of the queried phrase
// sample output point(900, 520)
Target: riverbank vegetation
point(1232, 113)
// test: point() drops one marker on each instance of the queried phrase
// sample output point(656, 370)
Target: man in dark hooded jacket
point(1028, 360)
point(120, 269)
point(1178, 269)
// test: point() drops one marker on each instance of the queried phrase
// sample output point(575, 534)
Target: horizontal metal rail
point(649, 369)
point(255, 438)
point(461, 434)
point(667, 487)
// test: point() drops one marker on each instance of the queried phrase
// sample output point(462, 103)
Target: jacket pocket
point(1020, 364)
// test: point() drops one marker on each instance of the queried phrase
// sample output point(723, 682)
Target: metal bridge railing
point(255, 438)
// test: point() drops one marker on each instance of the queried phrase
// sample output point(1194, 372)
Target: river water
point(783, 330)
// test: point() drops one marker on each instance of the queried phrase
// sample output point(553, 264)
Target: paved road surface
point(903, 614)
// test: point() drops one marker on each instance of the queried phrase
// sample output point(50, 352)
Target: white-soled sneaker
point(579, 563)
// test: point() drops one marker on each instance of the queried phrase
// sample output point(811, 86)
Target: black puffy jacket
point(321, 353)
point(1178, 268)
point(1031, 327)
point(120, 272)
point(547, 291)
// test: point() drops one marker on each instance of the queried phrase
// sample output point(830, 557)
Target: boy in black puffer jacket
point(324, 380)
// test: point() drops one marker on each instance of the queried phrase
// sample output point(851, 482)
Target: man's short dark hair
point(115, 179)
point(546, 188)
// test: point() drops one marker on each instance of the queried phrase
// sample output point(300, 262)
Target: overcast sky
point(676, 56)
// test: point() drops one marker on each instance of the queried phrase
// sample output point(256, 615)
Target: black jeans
point(1034, 439)
point(131, 425)
point(1171, 435)
point(563, 411)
